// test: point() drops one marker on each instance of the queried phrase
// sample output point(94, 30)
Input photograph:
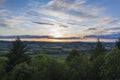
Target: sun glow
point(57, 35)
point(56, 32)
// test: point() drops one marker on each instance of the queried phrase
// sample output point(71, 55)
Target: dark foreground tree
point(97, 59)
point(3, 65)
point(16, 54)
point(117, 44)
point(98, 50)
point(111, 68)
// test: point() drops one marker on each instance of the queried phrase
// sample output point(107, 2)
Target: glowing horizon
point(60, 40)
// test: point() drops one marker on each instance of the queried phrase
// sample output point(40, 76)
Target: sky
point(61, 20)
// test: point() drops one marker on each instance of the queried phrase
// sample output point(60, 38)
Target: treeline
point(16, 65)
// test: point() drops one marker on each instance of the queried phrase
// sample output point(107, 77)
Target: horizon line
point(58, 40)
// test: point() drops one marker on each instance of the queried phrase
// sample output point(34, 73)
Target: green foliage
point(21, 72)
point(79, 66)
point(111, 68)
point(85, 66)
point(117, 44)
point(3, 64)
point(96, 68)
point(16, 54)
point(80, 69)
point(97, 59)
point(72, 56)
point(46, 68)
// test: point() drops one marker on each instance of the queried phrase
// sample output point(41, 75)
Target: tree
point(85, 68)
point(22, 72)
point(111, 69)
point(73, 61)
point(16, 54)
point(117, 44)
point(79, 66)
point(46, 68)
point(3, 65)
point(73, 55)
point(98, 50)
point(97, 60)
point(96, 68)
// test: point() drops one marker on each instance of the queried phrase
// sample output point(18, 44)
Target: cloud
point(89, 29)
point(75, 10)
point(75, 6)
point(2, 24)
point(76, 24)
point(66, 38)
point(13, 22)
point(61, 25)
point(74, 14)
point(62, 15)
point(114, 28)
point(50, 24)
point(108, 20)
point(108, 36)
point(70, 17)
point(37, 37)
point(42, 23)
point(23, 36)
point(68, 10)
point(5, 24)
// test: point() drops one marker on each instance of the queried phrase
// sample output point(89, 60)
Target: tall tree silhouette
point(16, 54)
point(98, 50)
point(98, 60)
point(117, 44)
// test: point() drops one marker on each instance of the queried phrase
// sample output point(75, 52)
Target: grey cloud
point(65, 26)
point(42, 23)
point(77, 24)
point(116, 28)
point(107, 36)
point(3, 24)
point(34, 36)
point(89, 29)
point(7, 26)
point(23, 36)
point(67, 38)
